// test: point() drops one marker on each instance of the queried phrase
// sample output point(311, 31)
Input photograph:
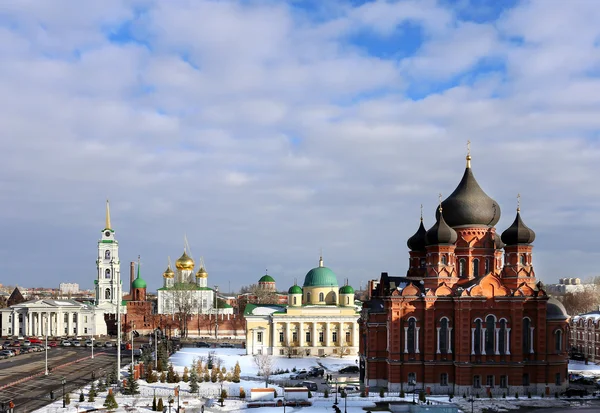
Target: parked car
point(89, 343)
point(52, 344)
point(575, 392)
point(137, 352)
point(109, 344)
point(299, 375)
point(65, 343)
point(76, 343)
point(226, 345)
point(26, 343)
point(202, 344)
point(16, 343)
point(310, 385)
point(6, 353)
point(350, 369)
point(98, 344)
point(316, 372)
point(35, 340)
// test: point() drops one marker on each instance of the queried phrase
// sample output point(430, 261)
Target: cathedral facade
point(469, 317)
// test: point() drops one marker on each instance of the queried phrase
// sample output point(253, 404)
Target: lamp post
point(46, 349)
point(345, 401)
point(337, 389)
point(63, 381)
point(92, 340)
point(132, 360)
point(216, 312)
point(155, 349)
point(170, 403)
point(471, 400)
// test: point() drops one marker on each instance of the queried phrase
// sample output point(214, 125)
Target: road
point(74, 364)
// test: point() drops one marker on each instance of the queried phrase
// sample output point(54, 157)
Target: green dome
point(138, 283)
point(320, 277)
point(266, 279)
point(295, 289)
point(346, 289)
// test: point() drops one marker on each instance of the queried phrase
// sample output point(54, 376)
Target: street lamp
point(337, 389)
point(471, 400)
point(170, 403)
point(132, 361)
point(46, 317)
point(345, 401)
point(216, 312)
point(63, 381)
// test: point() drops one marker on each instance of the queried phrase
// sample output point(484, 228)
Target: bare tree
point(290, 350)
point(260, 295)
point(581, 302)
point(183, 302)
point(264, 362)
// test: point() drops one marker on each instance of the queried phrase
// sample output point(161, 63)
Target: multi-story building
point(585, 335)
point(469, 316)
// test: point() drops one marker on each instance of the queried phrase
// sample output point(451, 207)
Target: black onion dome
point(440, 232)
point(518, 233)
point(469, 205)
point(419, 240)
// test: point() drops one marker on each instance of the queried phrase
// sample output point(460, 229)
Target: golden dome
point(169, 273)
point(184, 262)
point(201, 273)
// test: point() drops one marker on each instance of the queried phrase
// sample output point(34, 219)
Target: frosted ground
point(228, 358)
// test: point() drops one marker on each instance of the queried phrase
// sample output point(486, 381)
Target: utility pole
point(216, 312)
point(118, 327)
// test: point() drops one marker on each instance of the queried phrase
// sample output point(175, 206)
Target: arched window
point(107, 294)
point(444, 336)
point(347, 300)
point(444, 260)
point(333, 297)
point(476, 267)
point(522, 259)
point(423, 262)
point(107, 273)
point(526, 336)
point(411, 335)
point(490, 332)
point(502, 337)
point(308, 298)
point(295, 299)
point(107, 254)
point(487, 265)
point(321, 297)
point(558, 341)
point(462, 267)
point(477, 337)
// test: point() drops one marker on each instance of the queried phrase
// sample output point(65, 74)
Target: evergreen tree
point(206, 377)
point(113, 375)
point(199, 367)
point(163, 377)
point(81, 397)
point(160, 406)
point(214, 374)
point(92, 392)
point(68, 399)
point(186, 375)
point(110, 403)
point(193, 381)
point(220, 377)
point(132, 386)
point(101, 386)
point(236, 372)
point(154, 407)
point(171, 374)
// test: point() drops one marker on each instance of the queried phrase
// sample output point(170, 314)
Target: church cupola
point(417, 245)
point(441, 232)
point(295, 296)
point(440, 259)
point(138, 286)
point(518, 232)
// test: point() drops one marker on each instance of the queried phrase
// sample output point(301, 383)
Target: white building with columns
point(320, 319)
point(57, 318)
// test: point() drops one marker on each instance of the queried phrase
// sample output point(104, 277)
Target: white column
point(327, 331)
point(355, 339)
point(497, 341)
point(531, 339)
point(438, 341)
point(482, 340)
point(417, 339)
point(301, 338)
point(508, 341)
point(449, 340)
point(314, 337)
point(405, 340)
point(472, 340)
point(273, 334)
point(288, 335)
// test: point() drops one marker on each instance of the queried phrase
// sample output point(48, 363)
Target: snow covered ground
point(584, 369)
point(228, 357)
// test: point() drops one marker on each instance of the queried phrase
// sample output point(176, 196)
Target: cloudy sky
point(266, 131)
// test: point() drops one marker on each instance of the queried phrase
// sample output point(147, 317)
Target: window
point(281, 336)
point(444, 336)
point(526, 336)
point(347, 336)
point(281, 352)
point(294, 336)
point(10, 318)
point(321, 297)
point(85, 320)
point(444, 260)
point(259, 336)
point(295, 300)
point(75, 317)
point(334, 337)
point(489, 381)
point(522, 259)
point(308, 297)
point(106, 294)
point(85, 330)
point(477, 382)
point(9, 330)
point(557, 380)
point(107, 273)
point(462, 267)
point(307, 335)
point(502, 337)
point(411, 335)
point(107, 254)
point(504, 382)
point(412, 379)
point(558, 341)
point(347, 300)
point(444, 379)
point(489, 334)
point(487, 265)
point(66, 318)
point(476, 267)
point(477, 338)
point(526, 379)
point(321, 337)
point(20, 318)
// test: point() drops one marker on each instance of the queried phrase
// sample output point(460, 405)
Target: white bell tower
point(108, 282)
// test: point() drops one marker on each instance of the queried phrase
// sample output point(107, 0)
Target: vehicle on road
point(350, 369)
point(35, 340)
point(310, 385)
point(137, 352)
point(99, 344)
point(16, 343)
point(299, 375)
point(202, 344)
point(65, 343)
point(7, 353)
point(26, 343)
point(226, 345)
point(52, 344)
point(316, 372)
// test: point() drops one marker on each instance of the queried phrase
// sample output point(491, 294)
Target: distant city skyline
point(267, 132)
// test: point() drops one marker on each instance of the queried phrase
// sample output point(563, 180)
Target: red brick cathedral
point(470, 316)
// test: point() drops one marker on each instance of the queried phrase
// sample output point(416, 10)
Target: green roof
point(139, 283)
point(295, 289)
point(266, 279)
point(346, 289)
point(320, 277)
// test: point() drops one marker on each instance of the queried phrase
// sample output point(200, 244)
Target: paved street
point(35, 392)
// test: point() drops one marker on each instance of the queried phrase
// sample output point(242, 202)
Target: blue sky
point(266, 131)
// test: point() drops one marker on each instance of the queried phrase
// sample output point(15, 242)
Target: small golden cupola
point(201, 273)
point(169, 273)
point(185, 262)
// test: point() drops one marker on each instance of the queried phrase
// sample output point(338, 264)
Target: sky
point(268, 131)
